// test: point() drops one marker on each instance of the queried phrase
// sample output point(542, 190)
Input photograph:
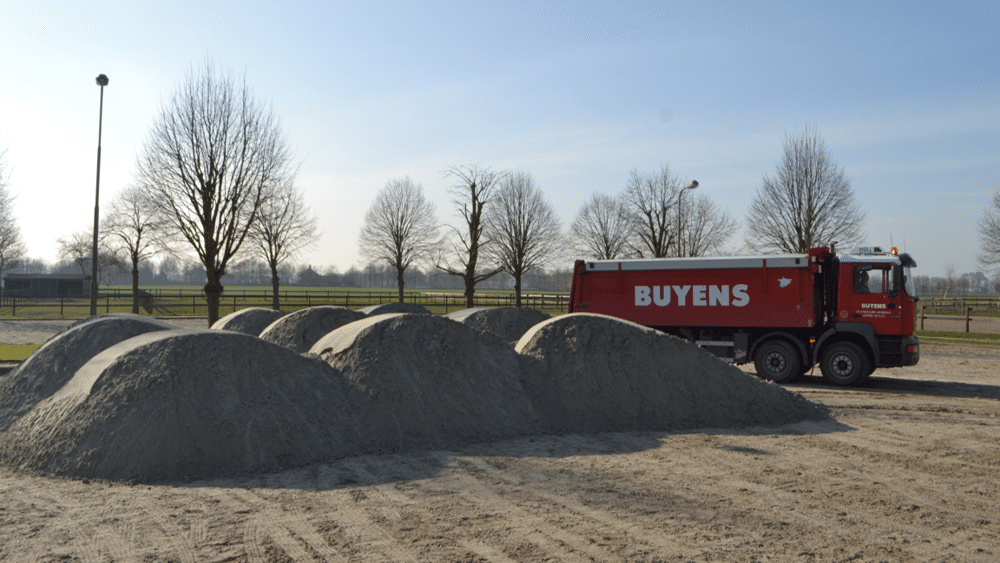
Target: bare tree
point(462, 248)
point(134, 229)
point(283, 228)
point(989, 232)
point(79, 248)
point(950, 279)
point(807, 203)
point(400, 227)
point(12, 246)
point(650, 199)
point(602, 228)
point(704, 227)
point(524, 227)
point(211, 157)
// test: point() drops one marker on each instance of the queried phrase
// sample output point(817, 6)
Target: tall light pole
point(680, 239)
point(102, 81)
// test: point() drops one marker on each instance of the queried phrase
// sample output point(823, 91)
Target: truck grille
point(890, 350)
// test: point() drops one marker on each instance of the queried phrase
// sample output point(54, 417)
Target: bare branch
point(211, 157)
point(650, 199)
point(399, 228)
point(283, 228)
point(12, 248)
point(704, 227)
point(602, 228)
point(989, 233)
point(807, 203)
point(463, 247)
point(525, 230)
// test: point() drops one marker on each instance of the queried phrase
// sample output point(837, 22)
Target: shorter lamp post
point(680, 244)
point(102, 81)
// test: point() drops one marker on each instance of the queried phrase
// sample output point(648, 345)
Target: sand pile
point(509, 323)
point(429, 382)
point(55, 362)
point(298, 331)
point(396, 307)
point(593, 373)
point(182, 403)
point(252, 320)
point(97, 401)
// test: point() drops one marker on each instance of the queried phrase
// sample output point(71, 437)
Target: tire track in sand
point(284, 524)
point(521, 524)
point(94, 533)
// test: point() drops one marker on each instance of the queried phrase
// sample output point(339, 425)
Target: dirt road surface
point(908, 470)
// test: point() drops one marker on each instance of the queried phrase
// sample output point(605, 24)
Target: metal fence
point(185, 303)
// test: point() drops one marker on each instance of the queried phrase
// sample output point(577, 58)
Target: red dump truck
point(850, 313)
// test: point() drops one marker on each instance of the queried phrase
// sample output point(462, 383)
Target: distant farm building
point(46, 285)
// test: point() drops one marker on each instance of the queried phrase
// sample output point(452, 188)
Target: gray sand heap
point(430, 382)
point(509, 323)
point(55, 362)
point(397, 307)
point(184, 403)
point(593, 373)
point(97, 401)
point(252, 320)
point(298, 331)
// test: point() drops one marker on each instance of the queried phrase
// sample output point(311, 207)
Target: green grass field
point(941, 336)
point(16, 352)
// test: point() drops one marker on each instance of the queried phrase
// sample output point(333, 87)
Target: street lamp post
point(102, 81)
point(680, 240)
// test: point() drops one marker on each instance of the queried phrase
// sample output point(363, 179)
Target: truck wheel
point(845, 364)
point(777, 361)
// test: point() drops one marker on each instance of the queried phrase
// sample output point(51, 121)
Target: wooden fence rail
point(164, 303)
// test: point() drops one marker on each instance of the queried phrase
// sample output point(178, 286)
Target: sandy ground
point(909, 470)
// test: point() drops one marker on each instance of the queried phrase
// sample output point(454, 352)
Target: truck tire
point(845, 364)
point(777, 361)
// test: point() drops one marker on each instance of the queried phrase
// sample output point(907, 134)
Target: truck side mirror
point(897, 280)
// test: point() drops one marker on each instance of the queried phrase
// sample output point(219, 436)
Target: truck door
point(874, 299)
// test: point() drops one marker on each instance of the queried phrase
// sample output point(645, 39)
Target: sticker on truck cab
point(700, 295)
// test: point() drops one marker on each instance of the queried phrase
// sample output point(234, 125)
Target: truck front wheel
point(778, 361)
point(844, 364)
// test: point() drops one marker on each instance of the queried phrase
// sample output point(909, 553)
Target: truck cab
point(875, 302)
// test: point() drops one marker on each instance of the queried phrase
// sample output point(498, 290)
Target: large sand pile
point(55, 362)
point(509, 323)
point(252, 320)
point(185, 403)
point(592, 373)
point(298, 331)
point(396, 307)
point(430, 382)
point(168, 404)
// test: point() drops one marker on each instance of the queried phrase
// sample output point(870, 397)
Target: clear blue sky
point(906, 95)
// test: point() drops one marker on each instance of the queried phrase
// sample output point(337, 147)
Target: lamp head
point(102, 80)
point(692, 185)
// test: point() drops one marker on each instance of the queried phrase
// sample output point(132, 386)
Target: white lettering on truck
point(701, 295)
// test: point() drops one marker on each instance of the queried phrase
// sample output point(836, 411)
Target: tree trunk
point(470, 290)
point(274, 285)
point(213, 291)
point(399, 280)
point(517, 290)
point(135, 287)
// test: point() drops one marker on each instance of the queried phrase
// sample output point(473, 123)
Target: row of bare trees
point(506, 225)
point(649, 220)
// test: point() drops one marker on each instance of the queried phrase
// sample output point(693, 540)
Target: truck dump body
point(752, 292)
